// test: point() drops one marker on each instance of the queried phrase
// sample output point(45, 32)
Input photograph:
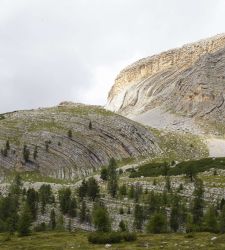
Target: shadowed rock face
point(189, 81)
point(58, 155)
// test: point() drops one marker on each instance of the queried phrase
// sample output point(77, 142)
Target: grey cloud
point(52, 50)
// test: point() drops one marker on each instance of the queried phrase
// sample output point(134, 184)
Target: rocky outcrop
point(188, 82)
point(97, 136)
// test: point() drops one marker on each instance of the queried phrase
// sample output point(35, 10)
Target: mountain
point(70, 140)
point(181, 89)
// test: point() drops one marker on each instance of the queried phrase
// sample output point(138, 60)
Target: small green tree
point(157, 223)
point(92, 188)
point(112, 178)
point(138, 217)
point(26, 153)
point(82, 190)
point(101, 218)
point(104, 174)
point(83, 211)
point(222, 220)
point(123, 190)
point(35, 154)
point(131, 192)
point(190, 172)
point(45, 196)
point(175, 215)
point(122, 226)
point(32, 202)
point(25, 221)
point(210, 220)
point(168, 184)
point(198, 202)
point(90, 125)
point(7, 145)
point(70, 133)
point(52, 222)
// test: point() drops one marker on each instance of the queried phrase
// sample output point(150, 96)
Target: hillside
point(182, 89)
point(96, 136)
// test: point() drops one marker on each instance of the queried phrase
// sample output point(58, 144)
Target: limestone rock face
point(62, 156)
point(188, 81)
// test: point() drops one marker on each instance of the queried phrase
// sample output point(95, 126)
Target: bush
point(40, 227)
point(129, 236)
point(109, 238)
point(105, 238)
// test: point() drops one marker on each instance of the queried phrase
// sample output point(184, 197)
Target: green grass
point(180, 146)
point(78, 240)
point(34, 176)
point(84, 110)
point(197, 166)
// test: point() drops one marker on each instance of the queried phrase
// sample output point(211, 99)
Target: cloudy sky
point(57, 50)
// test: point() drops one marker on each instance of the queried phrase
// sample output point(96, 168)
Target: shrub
point(40, 227)
point(104, 238)
point(109, 238)
point(129, 236)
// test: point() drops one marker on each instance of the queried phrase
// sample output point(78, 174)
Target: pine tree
point(45, 196)
point(122, 226)
point(32, 202)
point(26, 153)
point(52, 222)
point(72, 208)
point(157, 223)
point(90, 125)
point(92, 188)
point(104, 174)
point(70, 133)
point(131, 192)
point(35, 153)
point(25, 221)
point(65, 200)
point(112, 178)
point(174, 216)
point(82, 190)
point(123, 190)
point(101, 218)
point(83, 212)
point(168, 184)
point(7, 145)
point(210, 220)
point(222, 220)
point(138, 217)
point(198, 202)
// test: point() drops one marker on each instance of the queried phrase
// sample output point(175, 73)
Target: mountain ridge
point(185, 83)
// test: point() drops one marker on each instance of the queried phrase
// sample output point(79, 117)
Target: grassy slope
point(180, 146)
point(78, 240)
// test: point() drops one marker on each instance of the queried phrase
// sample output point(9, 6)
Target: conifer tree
point(82, 190)
point(157, 223)
point(138, 217)
point(83, 211)
point(112, 178)
point(222, 220)
point(210, 220)
point(25, 221)
point(92, 188)
point(198, 202)
point(101, 218)
point(52, 222)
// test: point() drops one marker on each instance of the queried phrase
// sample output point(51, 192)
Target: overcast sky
point(57, 50)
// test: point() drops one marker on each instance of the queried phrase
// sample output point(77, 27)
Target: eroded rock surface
point(60, 156)
point(186, 82)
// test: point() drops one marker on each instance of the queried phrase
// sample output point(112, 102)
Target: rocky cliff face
point(188, 82)
point(61, 156)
